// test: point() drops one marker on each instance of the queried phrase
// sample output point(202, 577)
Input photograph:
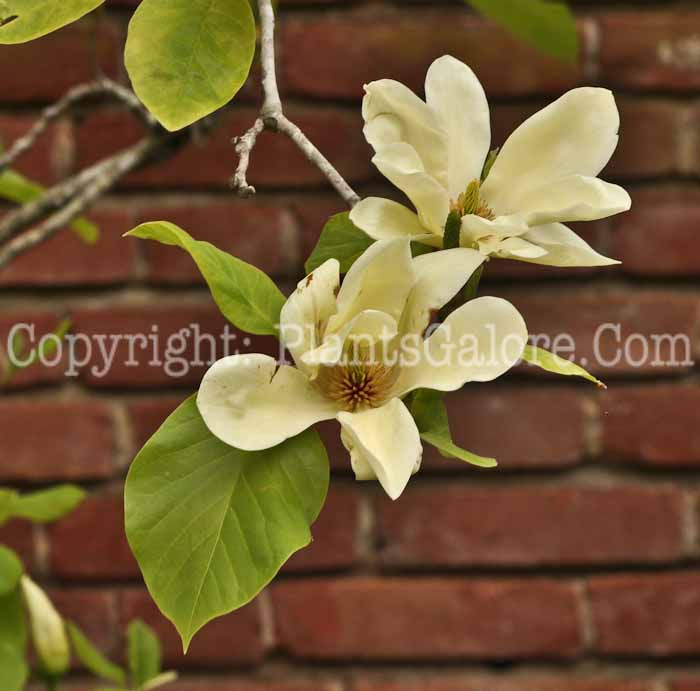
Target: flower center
point(471, 202)
point(355, 387)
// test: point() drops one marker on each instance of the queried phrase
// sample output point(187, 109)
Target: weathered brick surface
point(369, 619)
point(94, 611)
point(235, 640)
point(265, 235)
point(401, 46)
point(78, 551)
point(551, 428)
point(647, 614)
point(650, 50)
point(666, 221)
point(42, 70)
point(47, 440)
point(615, 332)
point(631, 429)
point(518, 682)
point(455, 525)
point(209, 163)
point(66, 260)
point(155, 345)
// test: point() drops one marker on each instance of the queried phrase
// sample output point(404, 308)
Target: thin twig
point(102, 87)
point(103, 177)
point(272, 117)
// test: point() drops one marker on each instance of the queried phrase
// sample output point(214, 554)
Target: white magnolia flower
point(544, 176)
point(48, 630)
point(358, 350)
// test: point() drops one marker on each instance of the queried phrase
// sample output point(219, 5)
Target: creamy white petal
point(379, 280)
point(366, 330)
point(247, 405)
point(574, 198)
point(459, 102)
point(385, 440)
point(383, 219)
point(564, 247)
point(517, 248)
point(304, 316)
point(401, 165)
point(474, 227)
point(480, 341)
point(438, 278)
point(575, 135)
point(393, 114)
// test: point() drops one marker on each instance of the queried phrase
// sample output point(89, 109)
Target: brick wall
point(576, 565)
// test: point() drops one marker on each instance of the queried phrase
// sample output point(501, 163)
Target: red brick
point(516, 682)
point(401, 45)
point(276, 161)
point(334, 534)
point(78, 549)
point(650, 49)
point(19, 536)
point(583, 316)
point(146, 416)
point(165, 322)
point(656, 615)
point(235, 639)
point(31, 72)
point(550, 429)
point(650, 139)
point(659, 236)
point(652, 425)
point(685, 685)
point(66, 260)
point(220, 685)
point(409, 619)
point(42, 323)
point(37, 163)
point(260, 233)
point(453, 525)
point(55, 440)
point(95, 612)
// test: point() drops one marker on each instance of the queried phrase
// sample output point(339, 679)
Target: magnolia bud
point(47, 628)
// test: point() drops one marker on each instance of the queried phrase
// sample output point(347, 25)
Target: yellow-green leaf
point(557, 365)
point(25, 20)
point(187, 58)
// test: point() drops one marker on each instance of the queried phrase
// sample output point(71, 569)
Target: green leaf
point(48, 505)
point(160, 680)
point(548, 26)
point(13, 669)
point(453, 227)
point(246, 296)
point(340, 239)
point(144, 653)
point(211, 525)
point(10, 570)
point(429, 412)
point(557, 365)
point(91, 658)
point(13, 643)
point(37, 18)
point(7, 502)
point(187, 58)
point(16, 188)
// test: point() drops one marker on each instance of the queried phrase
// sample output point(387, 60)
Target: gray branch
point(76, 95)
point(76, 195)
point(272, 117)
